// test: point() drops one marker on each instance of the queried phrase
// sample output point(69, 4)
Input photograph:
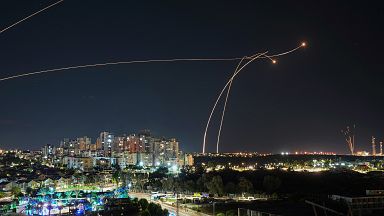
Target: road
point(170, 208)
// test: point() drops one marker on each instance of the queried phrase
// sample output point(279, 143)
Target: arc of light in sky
point(225, 105)
point(30, 16)
point(249, 58)
point(118, 63)
point(229, 83)
point(221, 93)
point(226, 100)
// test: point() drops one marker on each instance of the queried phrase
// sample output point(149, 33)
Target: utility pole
point(177, 195)
point(177, 203)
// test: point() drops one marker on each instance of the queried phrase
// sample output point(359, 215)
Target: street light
point(60, 207)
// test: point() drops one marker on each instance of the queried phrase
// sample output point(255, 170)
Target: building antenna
point(373, 146)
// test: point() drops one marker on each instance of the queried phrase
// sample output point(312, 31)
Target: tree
point(29, 191)
point(216, 186)
point(135, 200)
point(231, 213)
point(211, 164)
point(43, 191)
point(190, 185)
point(68, 194)
point(140, 180)
point(78, 177)
point(49, 207)
point(230, 188)
point(177, 184)
point(168, 184)
point(155, 210)
point(145, 213)
point(271, 183)
point(202, 182)
point(90, 179)
point(59, 195)
point(125, 177)
point(165, 212)
point(116, 176)
point(160, 173)
point(245, 186)
point(16, 191)
point(143, 204)
point(200, 186)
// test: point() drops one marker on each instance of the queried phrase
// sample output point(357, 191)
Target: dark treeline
point(238, 160)
point(278, 182)
point(131, 207)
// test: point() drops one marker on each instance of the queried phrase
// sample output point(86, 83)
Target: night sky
point(302, 103)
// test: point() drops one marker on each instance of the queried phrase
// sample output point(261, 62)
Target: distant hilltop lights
point(256, 154)
point(309, 153)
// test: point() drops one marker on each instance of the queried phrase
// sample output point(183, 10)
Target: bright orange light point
point(303, 44)
point(274, 61)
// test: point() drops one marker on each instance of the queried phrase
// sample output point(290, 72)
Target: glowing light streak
point(225, 105)
point(229, 84)
point(30, 16)
point(221, 93)
point(121, 63)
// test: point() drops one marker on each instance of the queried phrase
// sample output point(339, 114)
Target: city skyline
point(302, 103)
point(373, 149)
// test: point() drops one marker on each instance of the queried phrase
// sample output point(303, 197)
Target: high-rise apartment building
point(107, 143)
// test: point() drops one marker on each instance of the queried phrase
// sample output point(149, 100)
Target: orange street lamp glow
point(303, 44)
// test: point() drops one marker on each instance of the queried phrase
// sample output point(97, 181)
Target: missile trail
point(227, 96)
point(225, 105)
point(119, 63)
point(226, 100)
point(229, 83)
point(30, 16)
point(221, 93)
